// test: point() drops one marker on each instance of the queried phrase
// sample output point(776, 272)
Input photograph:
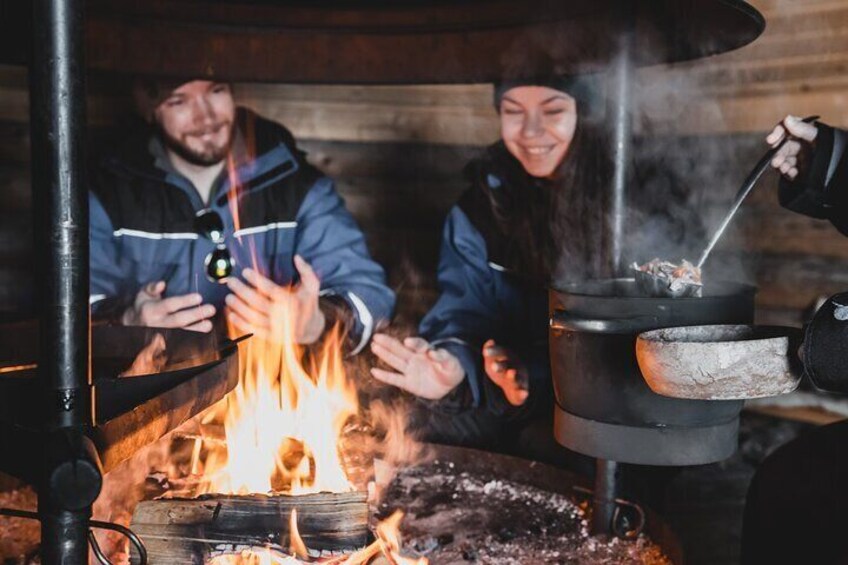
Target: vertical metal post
point(603, 501)
point(57, 114)
point(71, 477)
point(620, 96)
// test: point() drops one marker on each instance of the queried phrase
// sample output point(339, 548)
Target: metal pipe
point(604, 500)
point(64, 536)
point(620, 102)
point(60, 199)
point(57, 120)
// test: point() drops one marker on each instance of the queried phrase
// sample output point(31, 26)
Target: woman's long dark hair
point(552, 230)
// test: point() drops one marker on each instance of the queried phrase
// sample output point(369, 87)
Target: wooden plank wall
point(397, 153)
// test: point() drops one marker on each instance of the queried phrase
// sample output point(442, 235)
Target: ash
point(455, 517)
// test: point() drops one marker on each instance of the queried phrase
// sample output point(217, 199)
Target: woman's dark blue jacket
point(490, 286)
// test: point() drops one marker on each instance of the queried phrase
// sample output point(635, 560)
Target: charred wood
point(179, 531)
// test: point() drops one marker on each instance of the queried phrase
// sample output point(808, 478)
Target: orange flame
point(296, 545)
point(233, 195)
point(282, 424)
point(387, 543)
point(254, 556)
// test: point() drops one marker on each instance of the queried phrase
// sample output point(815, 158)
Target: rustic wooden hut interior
point(397, 154)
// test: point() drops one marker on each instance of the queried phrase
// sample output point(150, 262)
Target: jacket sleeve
point(109, 294)
point(822, 192)
point(329, 240)
point(465, 315)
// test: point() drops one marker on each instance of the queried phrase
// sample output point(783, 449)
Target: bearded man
point(212, 210)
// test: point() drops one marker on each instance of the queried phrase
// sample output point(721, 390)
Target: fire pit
point(459, 505)
point(473, 506)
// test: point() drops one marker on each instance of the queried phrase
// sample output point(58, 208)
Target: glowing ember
point(255, 556)
point(387, 545)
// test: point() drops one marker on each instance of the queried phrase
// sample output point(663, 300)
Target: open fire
point(282, 422)
point(283, 425)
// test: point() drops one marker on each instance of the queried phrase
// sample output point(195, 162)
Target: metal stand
point(71, 477)
point(603, 501)
point(620, 96)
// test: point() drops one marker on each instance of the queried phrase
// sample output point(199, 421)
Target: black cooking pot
point(604, 407)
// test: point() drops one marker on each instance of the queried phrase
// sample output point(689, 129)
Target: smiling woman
point(483, 347)
point(537, 126)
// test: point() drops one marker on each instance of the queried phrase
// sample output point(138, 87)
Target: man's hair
point(149, 92)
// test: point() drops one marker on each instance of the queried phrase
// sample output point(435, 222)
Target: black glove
point(825, 348)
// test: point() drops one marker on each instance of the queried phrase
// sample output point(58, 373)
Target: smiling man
point(209, 209)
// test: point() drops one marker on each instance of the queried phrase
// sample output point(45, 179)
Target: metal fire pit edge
point(553, 479)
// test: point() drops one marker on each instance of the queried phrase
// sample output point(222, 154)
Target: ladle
point(660, 286)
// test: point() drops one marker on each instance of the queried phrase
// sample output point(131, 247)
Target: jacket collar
point(271, 158)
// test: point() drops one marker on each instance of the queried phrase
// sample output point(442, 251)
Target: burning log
point(179, 531)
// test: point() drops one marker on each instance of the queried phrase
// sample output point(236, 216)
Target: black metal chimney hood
point(389, 41)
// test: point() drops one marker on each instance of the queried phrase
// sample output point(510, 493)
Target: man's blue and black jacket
point(143, 226)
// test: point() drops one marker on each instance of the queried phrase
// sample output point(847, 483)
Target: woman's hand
point(423, 371)
point(506, 371)
point(252, 305)
point(791, 158)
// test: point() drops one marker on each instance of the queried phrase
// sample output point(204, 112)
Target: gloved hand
point(507, 371)
point(824, 354)
point(423, 371)
point(793, 158)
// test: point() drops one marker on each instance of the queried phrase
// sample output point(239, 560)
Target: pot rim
point(738, 289)
point(760, 334)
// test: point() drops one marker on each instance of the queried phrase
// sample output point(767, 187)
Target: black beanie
point(578, 87)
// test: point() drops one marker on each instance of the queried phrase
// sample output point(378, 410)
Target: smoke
point(683, 185)
point(386, 435)
point(680, 185)
point(399, 445)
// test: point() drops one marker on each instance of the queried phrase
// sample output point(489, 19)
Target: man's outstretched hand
point(186, 311)
point(259, 305)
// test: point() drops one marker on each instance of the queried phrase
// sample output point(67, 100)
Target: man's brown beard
point(207, 158)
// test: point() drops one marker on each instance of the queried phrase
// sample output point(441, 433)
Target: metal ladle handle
point(751, 181)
